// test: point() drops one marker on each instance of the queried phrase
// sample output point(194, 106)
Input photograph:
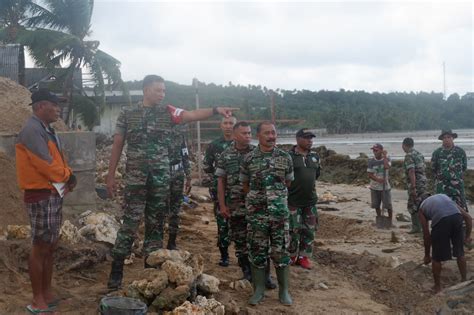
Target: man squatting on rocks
point(232, 198)
point(211, 157)
point(377, 170)
point(448, 163)
point(40, 162)
point(446, 228)
point(302, 199)
point(416, 181)
point(150, 130)
point(265, 173)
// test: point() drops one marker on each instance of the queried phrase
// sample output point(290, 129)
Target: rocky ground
point(358, 268)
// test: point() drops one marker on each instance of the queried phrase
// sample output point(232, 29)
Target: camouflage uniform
point(302, 203)
point(228, 166)
point(149, 132)
point(211, 157)
point(266, 203)
point(181, 169)
point(448, 166)
point(415, 160)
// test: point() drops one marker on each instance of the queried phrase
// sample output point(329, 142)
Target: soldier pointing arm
point(150, 130)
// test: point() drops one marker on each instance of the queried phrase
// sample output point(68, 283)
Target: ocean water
point(426, 142)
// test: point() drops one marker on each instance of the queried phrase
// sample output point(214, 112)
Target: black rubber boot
point(245, 266)
point(172, 242)
point(224, 262)
point(269, 284)
point(283, 276)
point(116, 275)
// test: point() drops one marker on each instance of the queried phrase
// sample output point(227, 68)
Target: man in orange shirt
point(40, 163)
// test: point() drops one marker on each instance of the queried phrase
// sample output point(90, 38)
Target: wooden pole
point(198, 130)
point(272, 99)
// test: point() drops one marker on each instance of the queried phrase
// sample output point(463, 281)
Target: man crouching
point(446, 229)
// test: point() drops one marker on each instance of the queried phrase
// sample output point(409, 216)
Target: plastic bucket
point(119, 305)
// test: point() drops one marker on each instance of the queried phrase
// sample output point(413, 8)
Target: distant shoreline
point(426, 141)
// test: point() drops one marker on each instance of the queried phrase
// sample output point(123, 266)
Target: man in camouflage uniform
point(149, 129)
point(416, 182)
point(448, 164)
point(211, 157)
point(266, 172)
point(302, 199)
point(180, 175)
point(230, 192)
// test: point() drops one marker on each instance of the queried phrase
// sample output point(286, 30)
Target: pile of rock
point(102, 168)
point(176, 277)
point(94, 226)
point(327, 197)
point(201, 306)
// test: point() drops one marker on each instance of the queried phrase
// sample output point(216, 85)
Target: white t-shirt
point(377, 168)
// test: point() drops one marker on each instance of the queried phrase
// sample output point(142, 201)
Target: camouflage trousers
point(176, 201)
point(223, 229)
point(303, 226)
point(238, 229)
point(268, 233)
point(454, 191)
point(153, 200)
point(412, 205)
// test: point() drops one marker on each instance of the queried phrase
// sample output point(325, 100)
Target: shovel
point(383, 222)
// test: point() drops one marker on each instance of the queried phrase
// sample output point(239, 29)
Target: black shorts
point(446, 232)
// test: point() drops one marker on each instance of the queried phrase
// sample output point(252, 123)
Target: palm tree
point(14, 14)
point(57, 36)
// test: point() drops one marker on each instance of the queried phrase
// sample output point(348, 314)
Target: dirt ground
point(351, 273)
point(15, 109)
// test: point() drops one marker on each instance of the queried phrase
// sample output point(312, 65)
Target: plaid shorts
point(45, 219)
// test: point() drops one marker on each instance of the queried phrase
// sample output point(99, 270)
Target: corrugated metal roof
point(35, 75)
point(9, 61)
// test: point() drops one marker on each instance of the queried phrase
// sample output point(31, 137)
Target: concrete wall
point(108, 119)
point(79, 149)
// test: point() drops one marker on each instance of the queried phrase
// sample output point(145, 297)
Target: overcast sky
point(372, 46)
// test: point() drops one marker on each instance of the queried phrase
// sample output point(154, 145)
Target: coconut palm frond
point(71, 16)
point(48, 47)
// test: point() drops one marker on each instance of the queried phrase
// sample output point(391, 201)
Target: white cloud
point(312, 45)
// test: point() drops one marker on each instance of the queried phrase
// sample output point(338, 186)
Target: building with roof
point(12, 62)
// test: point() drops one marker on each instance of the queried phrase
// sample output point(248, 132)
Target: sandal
point(54, 303)
point(32, 310)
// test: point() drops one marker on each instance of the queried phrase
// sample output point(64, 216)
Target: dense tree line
point(338, 111)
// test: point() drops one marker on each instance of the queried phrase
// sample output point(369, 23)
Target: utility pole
point(444, 80)
point(198, 127)
point(272, 109)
